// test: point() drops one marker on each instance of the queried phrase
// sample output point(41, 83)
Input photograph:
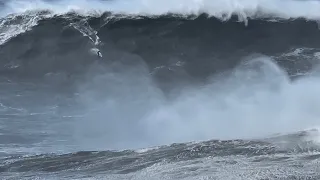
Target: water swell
point(63, 43)
point(175, 51)
point(123, 162)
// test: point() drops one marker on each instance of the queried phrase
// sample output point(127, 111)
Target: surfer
point(99, 54)
point(96, 51)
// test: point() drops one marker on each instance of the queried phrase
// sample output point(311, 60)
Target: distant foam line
point(218, 8)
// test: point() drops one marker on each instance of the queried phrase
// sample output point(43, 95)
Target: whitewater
point(221, 9)
point(193, 89)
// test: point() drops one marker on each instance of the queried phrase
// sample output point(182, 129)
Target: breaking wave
point(68, 43)
point(147, 73)
point(179, 45)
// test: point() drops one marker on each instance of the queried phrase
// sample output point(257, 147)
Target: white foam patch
point(144, 150)
point(313, 135)
point(228, 168)
point(218, 8)
point(14, 25)
point(317, 55)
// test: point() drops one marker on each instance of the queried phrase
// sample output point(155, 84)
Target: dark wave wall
point(204, 45)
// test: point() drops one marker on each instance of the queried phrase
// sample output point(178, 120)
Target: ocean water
point(146, 89)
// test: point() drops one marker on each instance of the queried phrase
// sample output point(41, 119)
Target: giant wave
point(174, 45)
point(171, 72)
point(66, 43)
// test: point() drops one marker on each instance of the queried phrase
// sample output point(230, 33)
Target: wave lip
point(222, 9)
point(14, 25)
point(30, 12)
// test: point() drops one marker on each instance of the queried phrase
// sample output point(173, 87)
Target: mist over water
point(130, 101)
point(126, 109)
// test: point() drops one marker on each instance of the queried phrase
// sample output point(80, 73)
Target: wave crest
point(219, 8)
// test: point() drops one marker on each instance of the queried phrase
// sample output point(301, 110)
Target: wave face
point(80, 81)
point(192, 32)
point(201, 43)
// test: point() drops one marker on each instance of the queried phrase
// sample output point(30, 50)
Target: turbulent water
point(185, 89)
